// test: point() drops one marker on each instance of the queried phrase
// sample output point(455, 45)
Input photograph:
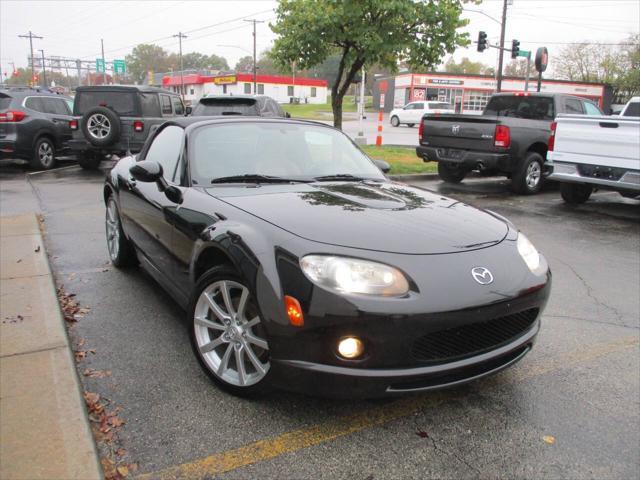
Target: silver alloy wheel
point(98, 126)
point(395, 121)
point(45, 154)
point(225, 322)
point(112, 224)
point(533, 175)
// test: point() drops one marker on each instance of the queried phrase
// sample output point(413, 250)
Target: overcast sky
point(73, 29)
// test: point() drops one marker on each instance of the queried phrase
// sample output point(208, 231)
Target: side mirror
point(382, 165)
point(146, 171)
point(287, 115)
point(188, 109)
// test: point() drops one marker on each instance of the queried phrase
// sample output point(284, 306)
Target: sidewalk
point(44, 429)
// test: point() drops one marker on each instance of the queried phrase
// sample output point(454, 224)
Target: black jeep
point(116, 119)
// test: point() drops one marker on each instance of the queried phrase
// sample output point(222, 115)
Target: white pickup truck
point(591, 152)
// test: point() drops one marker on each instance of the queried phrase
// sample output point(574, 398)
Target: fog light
point(350, 347)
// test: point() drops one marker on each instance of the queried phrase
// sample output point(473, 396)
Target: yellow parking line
point(324, 432)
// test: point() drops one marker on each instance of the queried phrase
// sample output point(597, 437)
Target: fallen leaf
point(550, 439)
point(19, 260)
point(116, 422)
point(121, 452)
point(80, 354)
point(123, 470)
point(422, 434)
point(37, 249)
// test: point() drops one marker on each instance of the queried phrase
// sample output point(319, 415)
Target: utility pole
point(44, 69)
point(502, 29)
point(31, 36)
point(104, 65)
point(255, 67)
point(180, 36)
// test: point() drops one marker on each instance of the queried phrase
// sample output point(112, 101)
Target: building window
point(224, 89)
point(191, 91)
point(247, 88)
point(475, 100)
point(261, 88)
point(290, 90)
point(313, 91)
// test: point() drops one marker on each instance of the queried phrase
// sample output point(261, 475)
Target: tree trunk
point(336, 106)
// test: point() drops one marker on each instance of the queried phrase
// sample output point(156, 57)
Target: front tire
point(575, 193)
point(395, 121)
point(121, 251)
point(451, 173)
point(44, 154)
point(227, 333)
point(528, 180)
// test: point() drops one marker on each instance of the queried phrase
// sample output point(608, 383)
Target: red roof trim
point(246, 77)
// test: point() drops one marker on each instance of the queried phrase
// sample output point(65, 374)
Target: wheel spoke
point(211, 345)
point(226, 296)
point(242, 374)
point(224, 362)
point(209, 324)
point(253, 322)
point(243, 302)
point(257, 341)
point(215, 308)
point(255, 360)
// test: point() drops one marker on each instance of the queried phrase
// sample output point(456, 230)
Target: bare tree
point(516, 68)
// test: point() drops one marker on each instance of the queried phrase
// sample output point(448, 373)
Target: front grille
point(471, 339)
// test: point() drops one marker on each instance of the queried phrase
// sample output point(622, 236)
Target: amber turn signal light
point(294, 311)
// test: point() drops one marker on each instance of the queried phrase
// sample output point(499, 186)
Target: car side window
point(166, 149)
point(178, 107)
point(573, 106)
point(591, 109)
point(59, 106)
point(633, 110)
point(165, 102)
point(418, 106)
point(35, 103)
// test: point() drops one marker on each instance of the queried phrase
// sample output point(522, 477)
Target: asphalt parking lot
point(570, 409)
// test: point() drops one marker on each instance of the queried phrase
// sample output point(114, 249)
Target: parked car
point(412, 112)
point(632, 108)
point(509, 138)
point(253, 105)
point(301, 266)
point(34, 125)
point(116, 119)
point(595, 152)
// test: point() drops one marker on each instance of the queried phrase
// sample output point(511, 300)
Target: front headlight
point(351, 275)
point(528, 252)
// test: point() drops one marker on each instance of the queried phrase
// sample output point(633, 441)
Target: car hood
point(387, 217)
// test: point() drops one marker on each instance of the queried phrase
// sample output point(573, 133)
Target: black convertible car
point(303, 267)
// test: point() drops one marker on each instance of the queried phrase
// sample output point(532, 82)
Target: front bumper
point(466, 158)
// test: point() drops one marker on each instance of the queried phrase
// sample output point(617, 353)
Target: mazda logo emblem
point(482, 275)
point(455, 129)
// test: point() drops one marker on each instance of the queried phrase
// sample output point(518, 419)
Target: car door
point(404, 115)
point(145, 209)
point(416, 113)
point(57, 110)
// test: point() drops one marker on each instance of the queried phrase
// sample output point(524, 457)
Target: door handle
point(608, 125)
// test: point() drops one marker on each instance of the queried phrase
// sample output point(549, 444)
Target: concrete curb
point(44, 426)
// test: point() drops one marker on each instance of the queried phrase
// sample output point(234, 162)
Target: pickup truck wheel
point(528, 180)
point(451, 173)
point(89, 160)
point(575, 193)
point(395, 121)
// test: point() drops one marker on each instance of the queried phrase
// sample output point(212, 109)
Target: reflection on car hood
point(387, 217)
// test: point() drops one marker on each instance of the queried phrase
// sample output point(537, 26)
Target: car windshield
point(531, 107)
point(289, 150)
point(123, 103)
point(226, 106)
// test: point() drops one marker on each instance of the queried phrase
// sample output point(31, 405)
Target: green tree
point(145, 57)
point(199, 61)
point(245, 64)
point(364, 33)
point(467, 66)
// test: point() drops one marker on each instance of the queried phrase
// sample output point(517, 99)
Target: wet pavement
point(570, 409)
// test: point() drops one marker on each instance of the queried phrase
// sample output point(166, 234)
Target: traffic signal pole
point(500, 58)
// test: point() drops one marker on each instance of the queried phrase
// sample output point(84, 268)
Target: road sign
point(524, 53)
point(119, 67)
point(100, 65)
point(542, 58)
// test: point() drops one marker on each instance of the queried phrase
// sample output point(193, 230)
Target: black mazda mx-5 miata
point(301, 266)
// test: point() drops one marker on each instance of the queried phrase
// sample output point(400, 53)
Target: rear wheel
point(44, 154)
point(528, 180)
point(575, 193)
point(89, 160)
point(410, 125)
point(227, 333)
point(395, 121)
point(451, 172)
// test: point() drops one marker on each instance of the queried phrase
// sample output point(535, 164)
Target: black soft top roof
point(124, 88)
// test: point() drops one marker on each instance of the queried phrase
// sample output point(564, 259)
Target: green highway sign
point(100, 65)
point(524, 53)
point(119, 67)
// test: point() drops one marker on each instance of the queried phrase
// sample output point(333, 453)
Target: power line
point(31, 36)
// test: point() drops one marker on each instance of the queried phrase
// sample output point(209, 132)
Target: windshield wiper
point(339, 176)
point(254, 178)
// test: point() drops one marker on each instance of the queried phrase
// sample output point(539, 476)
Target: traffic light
point(482, 41)
point(515, 48)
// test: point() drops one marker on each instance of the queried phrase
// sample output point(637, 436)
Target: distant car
point(251, 105)
point(34, 125)
point(412, 112)
point(116, 119)
point(632, 108)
